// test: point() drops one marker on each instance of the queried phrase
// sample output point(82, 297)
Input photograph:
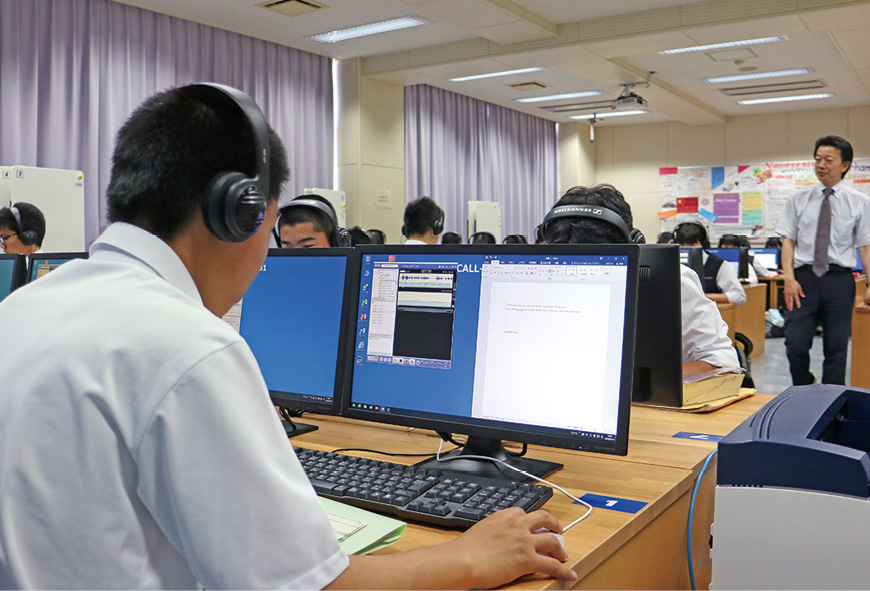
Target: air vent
point(292, 7)
point(599, 106)
point(528, 86)
point(768, 88)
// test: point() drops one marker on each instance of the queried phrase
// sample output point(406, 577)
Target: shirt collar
point(122, 241)
point(821, 187)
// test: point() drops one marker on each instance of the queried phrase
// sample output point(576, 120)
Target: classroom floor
point(770, 370)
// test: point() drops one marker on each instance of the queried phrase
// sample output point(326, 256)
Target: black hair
point(170, 149)
point(451, 238)
point(688, 233)
point(31, 219)
point(835, 141)
point(587, 230)
point(729, 240)
point(421, 215)
point(359, 236)
point(665, 238)
point(773, 242)
point(378, 236)
point(515, 239)
point(482, 238)
point(290, 216)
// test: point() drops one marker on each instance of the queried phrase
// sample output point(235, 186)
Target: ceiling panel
point(754, 29)
point(855, 45)
point(837, 19)
point(639, 44)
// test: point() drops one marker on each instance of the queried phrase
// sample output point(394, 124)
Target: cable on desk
point(448, 437)
point(526, 474)
point(383, 453)
point(692, 516)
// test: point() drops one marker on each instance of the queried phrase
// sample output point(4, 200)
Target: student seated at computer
point(482, 238)
point(451, 238)
point(424, 222)
point(309, 221)
point(515, 239)
point(146, 452)
point(360, 236)
point(22, 229)
point(706, 345)
point(756, 268)
point(720, 281)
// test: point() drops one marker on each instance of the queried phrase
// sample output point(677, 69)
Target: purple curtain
point(73, 70)
point(460, 149)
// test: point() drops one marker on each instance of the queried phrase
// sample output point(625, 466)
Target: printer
point(792, 500)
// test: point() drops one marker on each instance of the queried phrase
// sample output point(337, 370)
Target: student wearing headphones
point(22, 229)
point(166, 465)
point(451, 238)
point(720, 281)
point(706, 345)
point(309, 221)
point(424, 221)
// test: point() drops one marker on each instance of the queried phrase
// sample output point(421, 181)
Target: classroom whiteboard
point(741, 199)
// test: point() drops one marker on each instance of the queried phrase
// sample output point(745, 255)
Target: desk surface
point(610, 548)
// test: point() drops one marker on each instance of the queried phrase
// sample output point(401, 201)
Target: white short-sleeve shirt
point(138, 444)
point(705, 334)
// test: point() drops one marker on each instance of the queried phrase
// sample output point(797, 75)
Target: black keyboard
point(448, 499)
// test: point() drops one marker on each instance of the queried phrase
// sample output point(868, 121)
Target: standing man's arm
point(792, 290)
point(865, 258)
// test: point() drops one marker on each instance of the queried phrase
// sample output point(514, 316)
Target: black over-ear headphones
point(26, 237)
point(705, 240)
point(595, 212)
point(437, 225)
point(234, 204)
point(338, 236)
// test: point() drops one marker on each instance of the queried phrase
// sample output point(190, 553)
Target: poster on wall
point(746, 199)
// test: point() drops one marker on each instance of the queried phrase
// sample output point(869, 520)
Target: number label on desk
point(613, 503)
point(699, 436)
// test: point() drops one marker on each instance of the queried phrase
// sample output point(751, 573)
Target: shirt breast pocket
point(843, 232)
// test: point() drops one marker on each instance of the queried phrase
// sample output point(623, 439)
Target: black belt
point(832, 268)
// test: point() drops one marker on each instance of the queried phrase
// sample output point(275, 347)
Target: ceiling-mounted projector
point(628, 101)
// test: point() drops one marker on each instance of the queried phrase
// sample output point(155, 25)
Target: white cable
point(524, 473)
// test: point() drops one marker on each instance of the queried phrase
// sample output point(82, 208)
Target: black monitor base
point(490, 448)
point(293, 428)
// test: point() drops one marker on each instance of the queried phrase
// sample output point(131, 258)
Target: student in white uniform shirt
point(423, 222)
point(706, 345)
point(720, 281)
point(756, 268)
point(140, 449)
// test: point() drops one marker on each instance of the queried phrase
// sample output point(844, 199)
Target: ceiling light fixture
point(758, 75)
point(723, 45)
point(603, 115)
point(556, 97)
point(393, 24)
point(783, 99)
point(496, 74)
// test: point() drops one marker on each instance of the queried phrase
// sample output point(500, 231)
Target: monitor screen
point(658, 351)
point(12, 273)
point(693, 257)
point(768, 257)
point(738, 258)
point(518, 342)
point(44, 263)
point(293, 318)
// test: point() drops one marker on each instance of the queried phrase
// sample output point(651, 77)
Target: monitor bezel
point(742, 259)
point(69, 256)
point(494, 429)
point(290, 400)
point(19, 270)
point(696, 260)
point(774, 251)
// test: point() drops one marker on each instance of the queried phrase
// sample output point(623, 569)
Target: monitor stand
point(491, 448)
point(291, 427)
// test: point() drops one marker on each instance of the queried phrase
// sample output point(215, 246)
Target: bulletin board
point(741, 199)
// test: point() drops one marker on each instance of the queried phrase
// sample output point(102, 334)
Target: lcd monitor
point(294, 319)
point(738, 258)
point(13, 271)
point(693, 257)
point(658, 351)
point(768, 257)
point(44, 263)
point(525, 343)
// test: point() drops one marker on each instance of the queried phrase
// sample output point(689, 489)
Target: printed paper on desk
point(711, 388)
point(359, 531)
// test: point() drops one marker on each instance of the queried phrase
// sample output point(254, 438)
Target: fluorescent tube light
point(393, 24)
point(556, 97)
point(758, 75)
point(783, 99)
point(607, 114)
point(497, 74)
point(723, 45)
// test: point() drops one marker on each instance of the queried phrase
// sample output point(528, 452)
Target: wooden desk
point(728, 312)
point(749, 318)
point(610, 549)
point(774, 285)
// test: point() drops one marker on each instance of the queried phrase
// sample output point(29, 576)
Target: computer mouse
point(558, 536)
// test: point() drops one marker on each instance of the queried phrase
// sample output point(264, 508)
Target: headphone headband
point(26, 237)
point(594, 212)
point(705, 241)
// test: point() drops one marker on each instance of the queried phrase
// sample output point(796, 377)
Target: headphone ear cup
point(539, 233)
point(27, 237)
point(438, 226)
point(233, 207)
point(342, 237)
point(636, 236)
point(403, 231)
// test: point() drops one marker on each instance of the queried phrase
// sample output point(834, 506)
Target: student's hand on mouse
point(793, 292)
point(505, 547)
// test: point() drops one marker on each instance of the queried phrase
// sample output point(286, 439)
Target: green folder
point(360, 531)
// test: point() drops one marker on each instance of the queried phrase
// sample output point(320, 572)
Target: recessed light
point(723, 45)
point(610, 114)
point(758, 75)
point(393, 24)
point(497, 74)
point(556, 97)
point(783, 99)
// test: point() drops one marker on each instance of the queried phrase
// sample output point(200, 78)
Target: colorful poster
point(752, 217)
point(687, 205)
point(726, 207)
